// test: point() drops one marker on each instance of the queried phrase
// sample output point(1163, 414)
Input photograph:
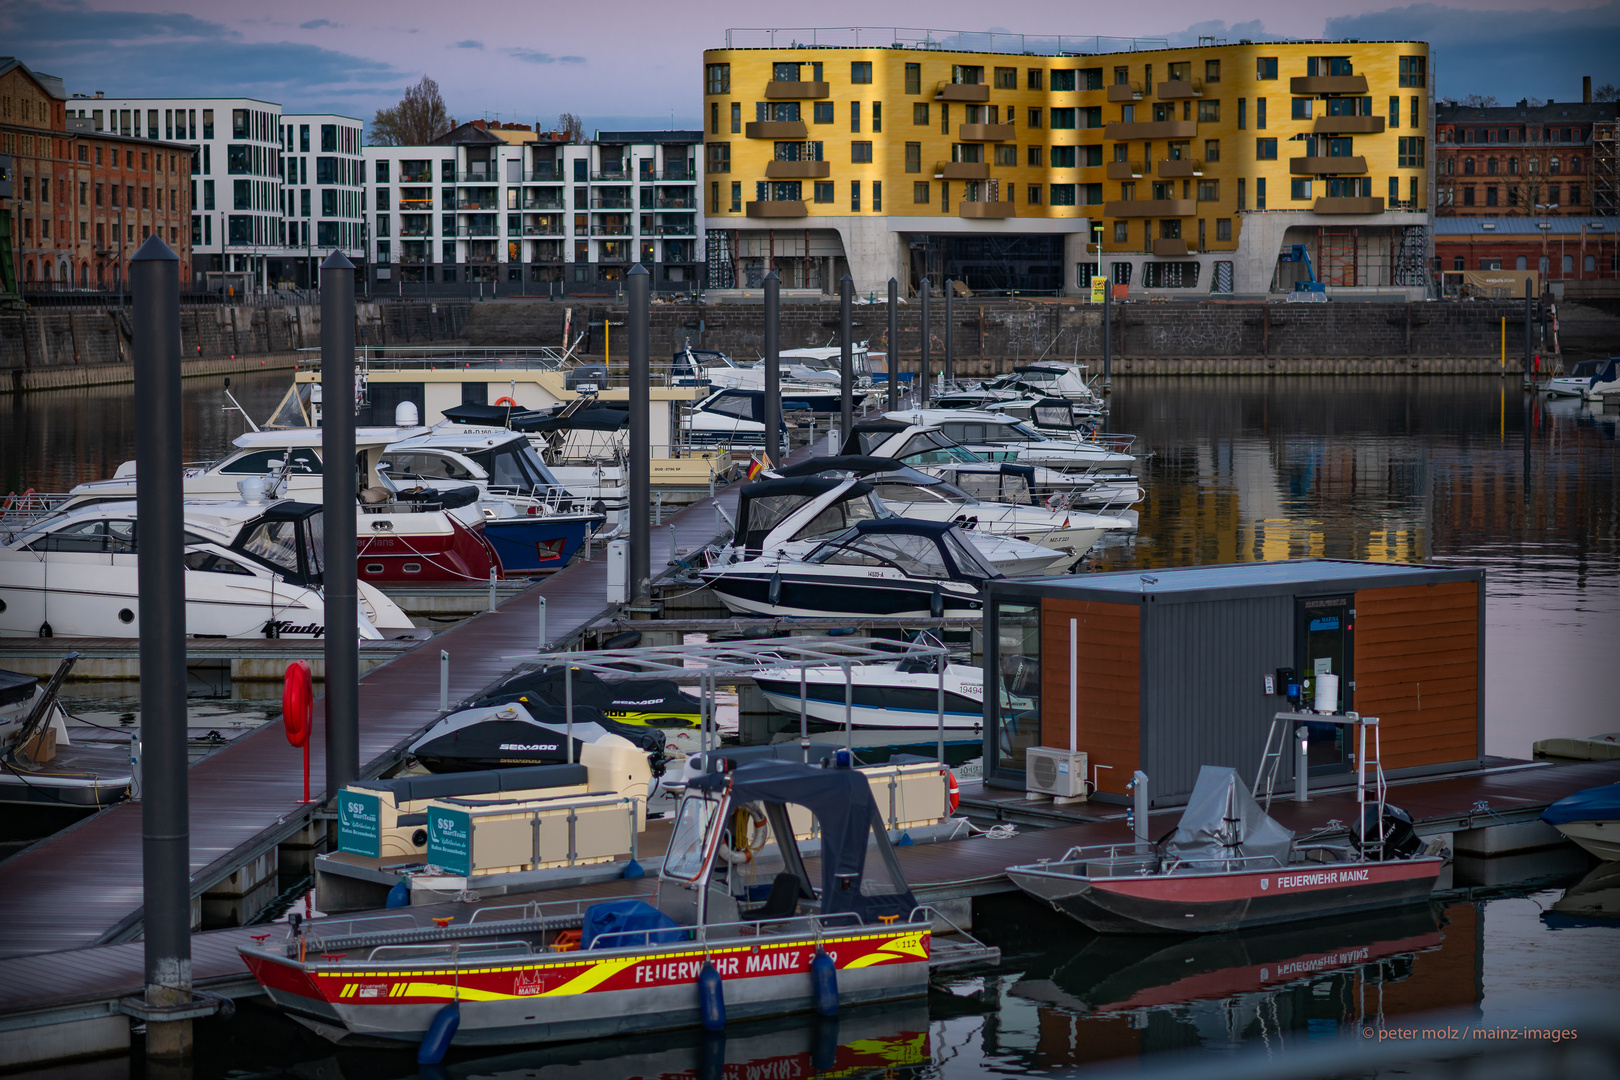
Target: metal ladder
point(1271, 757)
point(1363, 762)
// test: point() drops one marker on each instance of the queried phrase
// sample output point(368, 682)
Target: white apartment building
point(236, 189)
point(494, 209)
point(325, 186)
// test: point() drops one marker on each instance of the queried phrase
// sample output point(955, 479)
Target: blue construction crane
point(1296, 253)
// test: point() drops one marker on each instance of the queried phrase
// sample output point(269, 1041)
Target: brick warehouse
point(82, 201)
point(1559, 248)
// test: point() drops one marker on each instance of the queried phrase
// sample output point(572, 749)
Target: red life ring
point(297, 702)
point(954, 792)
point(506, 401)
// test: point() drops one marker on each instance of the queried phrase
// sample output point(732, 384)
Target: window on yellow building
point(1212, 71)
point(1006, 78)
point(919, 114)
point(1034, 157)
point(913, 78)
point(1212, 150)
point(913, 157)
point(1209, 112)
point(860, 71)
point(1034, 78)
point(919, 192)
point(1007, 155)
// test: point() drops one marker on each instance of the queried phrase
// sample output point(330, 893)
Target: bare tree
point(1606, 92)
point(1478, 101)
point(572, 125)
point(418, 119)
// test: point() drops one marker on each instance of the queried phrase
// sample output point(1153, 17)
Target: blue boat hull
point(539, 544)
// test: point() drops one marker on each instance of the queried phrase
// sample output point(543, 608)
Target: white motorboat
point(892, 567)
point(790, 515)
point(902, 695)
point(1584, 377)
point(1029, 485)
point(911, 493)
point(254, 569)
point(1590, 818)
point(40, 765)
point(1016, 391)
point(997, 437)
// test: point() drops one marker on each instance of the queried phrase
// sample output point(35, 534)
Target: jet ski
point(513, 732)
point(641, 704)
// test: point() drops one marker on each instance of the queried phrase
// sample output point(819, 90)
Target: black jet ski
point(509, 733)
point(641, 704)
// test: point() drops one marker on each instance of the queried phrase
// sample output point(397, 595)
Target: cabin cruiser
point(1585, 377)
point(892, 567)
point(737, 928)
point(1016, 391)
point(810, 370)
point(923, 444)
point(911, 493)
point(735, 417)
point(996, 437)
point(789, 515)
point(253, 569)
point(39, 763)
point(1027, 485)
point(531, 520)
point(413, 535)
point(898, 695)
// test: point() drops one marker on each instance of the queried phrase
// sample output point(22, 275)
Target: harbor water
point(1460, 471)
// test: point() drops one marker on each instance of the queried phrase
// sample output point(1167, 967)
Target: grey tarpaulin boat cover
point(1222, 821)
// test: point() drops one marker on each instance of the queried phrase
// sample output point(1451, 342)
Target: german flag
point(756, 466)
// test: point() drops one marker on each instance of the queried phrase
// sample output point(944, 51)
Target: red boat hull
point(1219, 901)
point(461, 556)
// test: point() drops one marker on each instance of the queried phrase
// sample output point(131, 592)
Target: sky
point(636, 63)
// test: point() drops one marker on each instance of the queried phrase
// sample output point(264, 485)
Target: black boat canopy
point(853, 463)
point(841, 800)
point(762, 506)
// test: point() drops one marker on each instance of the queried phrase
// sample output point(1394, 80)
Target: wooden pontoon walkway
point(82, 886)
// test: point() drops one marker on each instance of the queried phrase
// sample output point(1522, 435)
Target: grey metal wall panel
point(1203, 688)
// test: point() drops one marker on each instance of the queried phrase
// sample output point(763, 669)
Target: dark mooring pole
point(638, 292)
point(948, 374)
point(160, 574)
point(1529, 331)
point(1108, 338)
point(922, 332)
point(893, 359)
point(773, 369)
point(339, 491)
point(846, 359)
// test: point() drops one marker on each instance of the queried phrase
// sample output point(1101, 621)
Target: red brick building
point(83, 201)
point(1510, 160)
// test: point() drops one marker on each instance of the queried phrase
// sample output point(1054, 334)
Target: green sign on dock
point(449, 843)
point(358, 831)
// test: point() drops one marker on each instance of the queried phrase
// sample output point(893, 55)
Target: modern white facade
point(236, 189)
point(509, 212)
point(323, 155)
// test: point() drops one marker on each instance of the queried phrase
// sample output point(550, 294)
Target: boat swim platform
point(40, 988)
point(82, 886)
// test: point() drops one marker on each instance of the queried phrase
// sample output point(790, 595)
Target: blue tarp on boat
point(1593, 804)
point(615, 916)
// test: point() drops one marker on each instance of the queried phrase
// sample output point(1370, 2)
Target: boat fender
point(773, 591)
point(711, 998)
point(936, 604)
point(633, 869)
point(954, 793)
point(824, 982)
point(400, 894)
point(439, 1033)
point(905, 840)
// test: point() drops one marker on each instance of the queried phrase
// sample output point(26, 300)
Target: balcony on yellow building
point(1177, 89)
point(1125, 91)
point(1373, 204)
point(1122, 131)
point(974, 93)
point(1327, 166)
point(1171, 168)
point(1170, 247)
point(982, 210)
point(775, 129)
point(795, 91)
point(961, 170)
point(797, 170)
point(776, 208)
point(1159, 208)
point(1348, 125)
point(1122, 170)
point(1328, 84)
point(985, 132)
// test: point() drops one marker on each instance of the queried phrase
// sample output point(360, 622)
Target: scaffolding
point(1605, 169)
point(1411, 256)
point(722, 264)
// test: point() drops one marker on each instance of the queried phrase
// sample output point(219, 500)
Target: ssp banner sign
point(1099, 289)
point(449, 843)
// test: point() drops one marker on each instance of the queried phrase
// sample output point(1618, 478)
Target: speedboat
point(532, 521)
point(1590, 818)
point(921, 441)
point(1027, 485)
point(1581, 378)
point(890, 567)
point(1229, 866)
point(789, 515)
point(900, 695)
point(253, 569)
point(416, 535)
point(914, 494)
point(39, 763)
point(737, 928)
point(998, 437)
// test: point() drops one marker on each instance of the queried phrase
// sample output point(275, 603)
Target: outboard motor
point(1400, 840)
point(587, 378)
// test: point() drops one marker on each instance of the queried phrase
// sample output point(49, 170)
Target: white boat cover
point(1222, 821)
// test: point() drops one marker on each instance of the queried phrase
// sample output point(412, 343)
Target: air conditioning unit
point(1058, 773)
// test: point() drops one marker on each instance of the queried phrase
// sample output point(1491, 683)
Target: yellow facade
point(1185, 165)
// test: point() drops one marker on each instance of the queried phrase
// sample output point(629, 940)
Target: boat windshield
point(994, 486)
point(841, 515)
point(424, 465)
point(1585, 369)
point(294, 410)
point(516, 465)
point(274, 542)
point(932, 448)
point(685, 857)
point(968, 560)
point(912, 555)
